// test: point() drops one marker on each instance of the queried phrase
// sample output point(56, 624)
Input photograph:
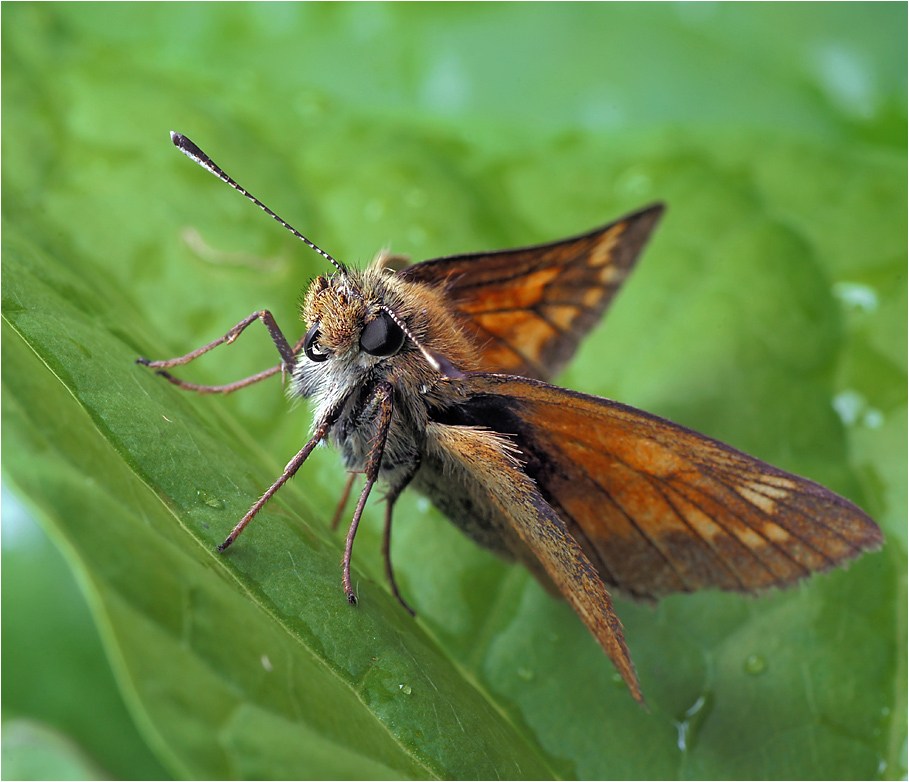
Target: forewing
point(659, 508)
point(527, 309)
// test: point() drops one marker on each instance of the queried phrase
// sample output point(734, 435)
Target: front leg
point(289, 471)
point(288, 356)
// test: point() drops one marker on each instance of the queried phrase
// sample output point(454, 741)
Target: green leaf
point(769, 311)
point(35, 751)
point(62, 678)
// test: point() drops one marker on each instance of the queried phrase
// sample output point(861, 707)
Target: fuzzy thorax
point(339, 307)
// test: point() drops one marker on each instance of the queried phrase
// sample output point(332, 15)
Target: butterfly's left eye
point(311, 346)
point(382, 336)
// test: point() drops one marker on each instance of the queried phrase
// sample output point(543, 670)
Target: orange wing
point(659, 508)
point(527, 309)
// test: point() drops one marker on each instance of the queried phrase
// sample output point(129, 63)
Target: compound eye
point(382, 336)
point(311, 346)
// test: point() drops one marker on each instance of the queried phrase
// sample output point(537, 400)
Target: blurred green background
point(769, 311)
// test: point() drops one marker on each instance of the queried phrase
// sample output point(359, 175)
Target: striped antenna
point(193, 152)
point(436, 360)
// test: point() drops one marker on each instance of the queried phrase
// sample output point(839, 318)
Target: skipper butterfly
point(435, 376)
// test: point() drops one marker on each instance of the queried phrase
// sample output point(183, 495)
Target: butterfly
point(436, 376)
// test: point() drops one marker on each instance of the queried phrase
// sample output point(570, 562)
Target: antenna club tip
point(191, 151)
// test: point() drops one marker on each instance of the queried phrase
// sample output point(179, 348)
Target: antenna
point(436, 360)
point(193, 152)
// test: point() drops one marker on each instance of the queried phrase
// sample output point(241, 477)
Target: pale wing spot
point(779, 481)
point(776, 533)
point(560, 317)
point(610, 275)
point(762, 501)
point(775, 490)
point(592, 297)
point(751, 539)
point(602, 253)
point(702, 524)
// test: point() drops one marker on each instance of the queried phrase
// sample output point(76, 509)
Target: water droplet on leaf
point(755, 664)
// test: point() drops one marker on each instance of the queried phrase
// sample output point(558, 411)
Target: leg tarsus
point(348, 546)
point(386, 553)
point(392, 497)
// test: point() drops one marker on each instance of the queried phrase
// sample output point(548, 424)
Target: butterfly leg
point(381, 400)
point(289, 471)
point(392, 497)
point(342, 503)
point(288, 356)
point(225, 389)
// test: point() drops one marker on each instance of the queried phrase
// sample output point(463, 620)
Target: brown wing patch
point(659, 508)
point(515, 297)
point(508, 328)
point(527, 309)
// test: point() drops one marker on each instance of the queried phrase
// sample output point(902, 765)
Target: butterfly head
point(371, 324)
point(348, 318)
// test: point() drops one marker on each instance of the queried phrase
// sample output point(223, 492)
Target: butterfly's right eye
point(311, 346)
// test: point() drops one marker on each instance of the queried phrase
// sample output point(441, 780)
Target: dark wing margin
point(528, 308)
point(656, 507)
